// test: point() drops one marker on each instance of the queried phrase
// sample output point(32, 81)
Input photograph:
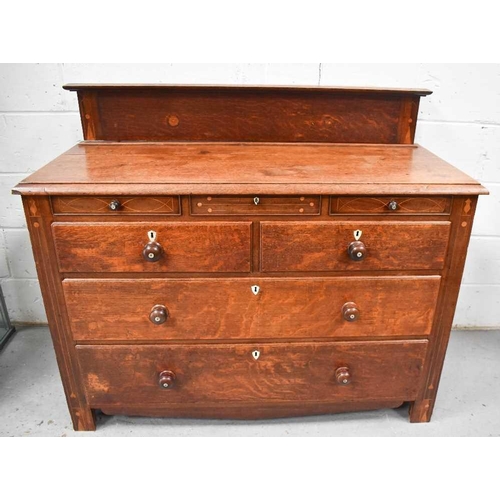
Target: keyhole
point(256, 354)
point(152, 235)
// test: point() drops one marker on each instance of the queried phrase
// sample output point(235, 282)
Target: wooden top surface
point(298, 88)
point(247, 168)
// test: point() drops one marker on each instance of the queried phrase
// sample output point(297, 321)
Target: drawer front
point(255, 205)
point(252, 372)
point(396, 205)
point(322, 246)
point(119, 310)
point(186, 247)
point(119, 205)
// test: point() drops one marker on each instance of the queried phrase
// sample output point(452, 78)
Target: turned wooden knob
point(392, 205)
point(356, 250)
point(158, 315)
point(350, 311)
point(166, 379)
point(342, 375)
point(152, 251)
point(114, 205)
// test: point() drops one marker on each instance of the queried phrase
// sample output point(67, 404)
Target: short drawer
point(255, 205)
point(252, 372)
point(185, 247)
point(250, 308)
point(391, 205)
point(323, 246)
point(115, 205)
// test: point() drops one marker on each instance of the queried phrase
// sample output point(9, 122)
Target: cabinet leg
point(83, 419)
point(421, 411)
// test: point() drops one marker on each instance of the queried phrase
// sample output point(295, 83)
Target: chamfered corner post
point(462, 216)
point(39, 219)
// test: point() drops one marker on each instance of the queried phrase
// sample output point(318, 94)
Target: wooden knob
point(356, 250)
point(114, 205)
point(158, 315)
point(152, 251)
point(350, 311)
point(342, 375)
point(166, 379)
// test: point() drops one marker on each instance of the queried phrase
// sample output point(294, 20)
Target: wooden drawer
point(322, 246)
point(115, 205)
point(299, 371)
point(391, 205)
point(119, 310)
point(187, 247)
point(255, 205)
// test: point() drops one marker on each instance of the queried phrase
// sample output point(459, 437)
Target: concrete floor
point(32, 401)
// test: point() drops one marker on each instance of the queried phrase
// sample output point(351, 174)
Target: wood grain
point(254, 114)
point(254, 169)
point(188, 247)
point(302, 371)
point(322, 246)
point(39, 218)
point(378, 205)
point(323, 333)
point(89, 114)
point(254, 205)
point(89, 205)
point(463, 211)
point(284, 308)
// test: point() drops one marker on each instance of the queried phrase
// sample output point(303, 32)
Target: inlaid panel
point(391, 205)
point(255, 205)
point(113, 205)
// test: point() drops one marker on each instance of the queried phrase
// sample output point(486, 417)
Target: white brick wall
point(460, 122)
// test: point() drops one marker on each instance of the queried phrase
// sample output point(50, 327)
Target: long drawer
point(252, 372)
point(323, 246)
point(254, 308)
point(185, 247)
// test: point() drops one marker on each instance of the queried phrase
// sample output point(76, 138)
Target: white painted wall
point(460, 122)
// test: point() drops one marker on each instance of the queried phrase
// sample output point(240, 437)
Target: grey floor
point(32, 401)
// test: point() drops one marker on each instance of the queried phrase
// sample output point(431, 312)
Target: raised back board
point(169, 113)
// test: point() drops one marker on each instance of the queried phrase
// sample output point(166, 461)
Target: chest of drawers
point(243, 252)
